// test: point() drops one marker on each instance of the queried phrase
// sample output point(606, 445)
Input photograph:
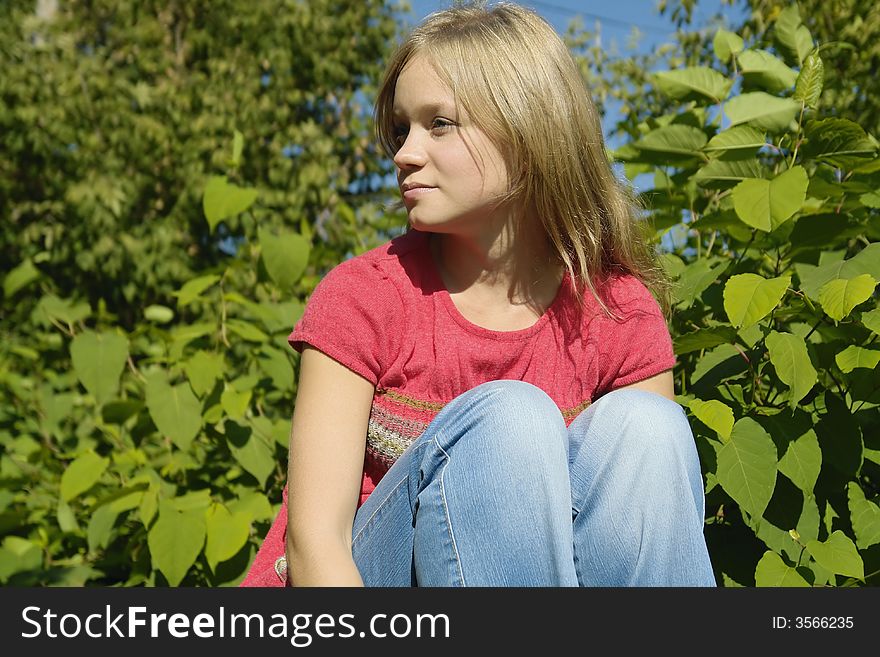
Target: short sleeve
point(354, 316)
point(635, 345)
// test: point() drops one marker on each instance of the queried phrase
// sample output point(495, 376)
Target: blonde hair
point(518, 82)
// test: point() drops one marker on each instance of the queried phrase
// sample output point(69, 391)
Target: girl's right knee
point(510, 428)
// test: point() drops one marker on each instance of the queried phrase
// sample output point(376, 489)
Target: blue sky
point(617, 18)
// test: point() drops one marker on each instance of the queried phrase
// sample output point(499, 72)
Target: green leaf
point(773, 571)
point(227, 533)
point(840, 296)
point(202, 370)
point(866, 261)
point(246, 330)
point(839, 142)
point(704, 339)
point(237, 147)
point(148, 507)
point(871, 321)
point(253, 504)
point(694, 81)
point(252, 450)
point(234, 403)
point(19, 555)
point(277, 365)
point(223, 199)
point(789, 356)
point(64, 310)
point(20, 277)
point(762, 111)
point(66, 518)
point(740, 140)
point(193, 289)
point(695, 278)
point(854, 357)
point(726, 44)
point(802, 461)
point(725, 173)
point(793, 38)
point(175, 540)
point(285, 257)
point(839, 555)
point(808, 87)
point(870, 200)
point(101, 527)
point(747, 466)
point(159, 314)
point(762, 68)
point(748, 298)
point(82, 474)
point(98, 360)
point(767, 204)
point(716, 415)
point(175, 410)
point(865, 517)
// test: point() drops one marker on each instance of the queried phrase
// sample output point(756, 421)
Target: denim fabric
point(498, 492)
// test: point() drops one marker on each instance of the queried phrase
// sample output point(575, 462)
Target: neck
point(512, 266)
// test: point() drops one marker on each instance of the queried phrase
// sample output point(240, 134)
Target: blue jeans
point(497, 491)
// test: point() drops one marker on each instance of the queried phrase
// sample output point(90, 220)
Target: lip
point(412, 191)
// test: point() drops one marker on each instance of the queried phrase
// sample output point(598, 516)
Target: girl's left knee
point(640, 409)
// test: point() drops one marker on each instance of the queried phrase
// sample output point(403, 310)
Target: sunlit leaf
point(767, 204)
point(726, 44)
point(285, 256)
point(175, 410)
point(838, 554)
point(854, 357)
point(747, 466)
point(762, 110)
point(802, 461)
point(716, 415)
point(773, 571)
point(83, 473)
point(808, 88)
point(749, 297)
point(764, 69)
point(789, 356)
point(175, 540)
point(223, 199)
point(865, 517)
point(98, 360)
point(226, 533)
point(686, 82)
point(840, 296)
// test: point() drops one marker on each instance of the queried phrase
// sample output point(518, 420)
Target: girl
point(486, 399)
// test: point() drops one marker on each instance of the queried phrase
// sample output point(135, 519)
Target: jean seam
point(379, 508)
point(446, 513)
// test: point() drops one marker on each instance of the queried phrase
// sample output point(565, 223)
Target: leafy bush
point(146, 382)
point(158, 263)
point(773, 213)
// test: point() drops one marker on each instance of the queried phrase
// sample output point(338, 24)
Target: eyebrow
point(427, 108)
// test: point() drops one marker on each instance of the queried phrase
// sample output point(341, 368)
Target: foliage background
point(177, 176)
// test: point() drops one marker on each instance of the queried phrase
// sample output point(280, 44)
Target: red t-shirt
point(387, 316)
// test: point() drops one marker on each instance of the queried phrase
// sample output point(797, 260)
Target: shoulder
point(627, 297)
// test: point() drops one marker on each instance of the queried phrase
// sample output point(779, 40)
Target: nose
point(411, 153)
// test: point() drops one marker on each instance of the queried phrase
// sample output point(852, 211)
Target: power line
point(549, 6)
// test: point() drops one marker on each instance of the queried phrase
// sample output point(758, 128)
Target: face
point(450, 174)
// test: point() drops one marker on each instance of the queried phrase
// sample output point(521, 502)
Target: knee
point(647, 423)
point(515, 422)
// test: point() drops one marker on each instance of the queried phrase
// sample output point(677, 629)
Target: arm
point(328, 439)
point(661, 384)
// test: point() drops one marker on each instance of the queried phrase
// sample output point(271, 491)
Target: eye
point(440, 126)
